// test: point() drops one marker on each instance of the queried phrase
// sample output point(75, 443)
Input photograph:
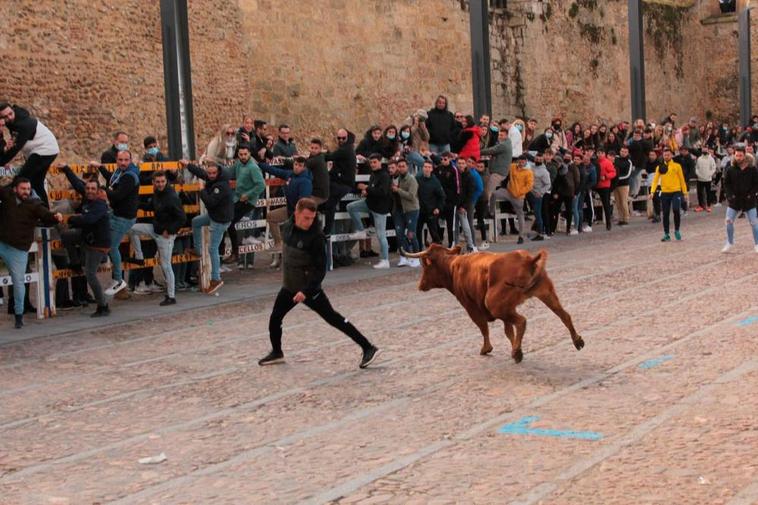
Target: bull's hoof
point(578, 343)
point(517, 355)
point(485, 350)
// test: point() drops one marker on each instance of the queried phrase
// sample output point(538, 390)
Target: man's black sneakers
point(272, 358)
point(369, 355)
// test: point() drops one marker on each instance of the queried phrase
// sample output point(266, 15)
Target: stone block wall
point(90, 67)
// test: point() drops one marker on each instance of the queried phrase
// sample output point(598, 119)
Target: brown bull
point(491, 285)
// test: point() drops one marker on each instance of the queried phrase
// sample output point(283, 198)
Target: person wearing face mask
point(152, 150)
point(516, 135)
point(120, 143)
point(559, 136)
point(542, 141)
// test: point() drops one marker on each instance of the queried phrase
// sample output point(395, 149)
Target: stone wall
point(90, 67)
point(571, 58)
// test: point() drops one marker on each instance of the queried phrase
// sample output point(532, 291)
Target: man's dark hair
point(611, 152)
point(299, 159)
point(428, 162)
point(159, 173)
point(282, 126)
point(4, 104)
point(739, 147)
point(92, 180)
point(244, 147)
point(446, 154)
point(375, 156)
point(19, 180)
point(306, 204)
point(401, 160)
point(259, 123)
point(665, 149)
point(149, 140)
point(115, 135)
point(317, 141)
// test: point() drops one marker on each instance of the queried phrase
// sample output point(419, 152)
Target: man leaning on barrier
point(19, 215)
point(122, 189)
point(94, 222)
point(168, 217)
point(217, 197)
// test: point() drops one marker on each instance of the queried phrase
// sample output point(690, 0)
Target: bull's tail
point(538, 268)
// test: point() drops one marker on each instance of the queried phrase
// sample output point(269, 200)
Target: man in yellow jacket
point(670, 177)
point(520, 182)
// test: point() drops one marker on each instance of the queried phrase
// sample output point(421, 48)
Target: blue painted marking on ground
point(747, 322)
point(521, 427)
point(655, 361)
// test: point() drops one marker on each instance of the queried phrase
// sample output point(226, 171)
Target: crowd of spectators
point(441, 176)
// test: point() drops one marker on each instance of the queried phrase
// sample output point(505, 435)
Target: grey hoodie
point(502, 157)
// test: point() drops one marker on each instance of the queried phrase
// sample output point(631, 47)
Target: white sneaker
point(224, 269)
point(141, 289)
point(475, 250)
point(371, 232)
point(717, 204)
point(484, 245)
point(415, 262)
point(402, 262)
point(587, 229)
point(155, 288)
point(728, 247)
point(251, 240)
point(573, 231)
point(382, 264)
point(115, 288)
point(636, 213)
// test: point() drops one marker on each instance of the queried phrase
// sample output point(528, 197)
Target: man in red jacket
point(606, 175)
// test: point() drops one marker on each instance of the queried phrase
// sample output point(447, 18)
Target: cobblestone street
point(660, 406)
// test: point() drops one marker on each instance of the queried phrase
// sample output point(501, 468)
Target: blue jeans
point(119, 227)
point(416, 161)
point(15, 260)
point(380, 223)
point(731, 215)
point(576, 210)
point(165, 248)
point(439, 148)
point(536, 203)
point(217, 235)
point(405, 229)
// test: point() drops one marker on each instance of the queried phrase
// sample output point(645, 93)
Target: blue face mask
point(390, 137)
point(153, 151)
point(122, 147)
point(494, 128)
point(405, 134)
point(520, 127)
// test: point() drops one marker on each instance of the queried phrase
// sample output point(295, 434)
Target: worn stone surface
point(90, 68)
point(421, 426)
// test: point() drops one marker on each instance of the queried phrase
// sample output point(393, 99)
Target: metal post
point(745, 70)
point(177, 79)
point(480, 57)
point(636, 59)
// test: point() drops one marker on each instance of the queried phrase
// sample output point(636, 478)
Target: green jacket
point(249, 181)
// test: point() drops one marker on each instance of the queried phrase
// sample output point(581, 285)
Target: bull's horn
point(405, 253)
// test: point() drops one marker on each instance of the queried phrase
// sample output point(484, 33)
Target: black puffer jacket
point(379, 193)
point(741, 187)
point(168, 211)
point(217, 195)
